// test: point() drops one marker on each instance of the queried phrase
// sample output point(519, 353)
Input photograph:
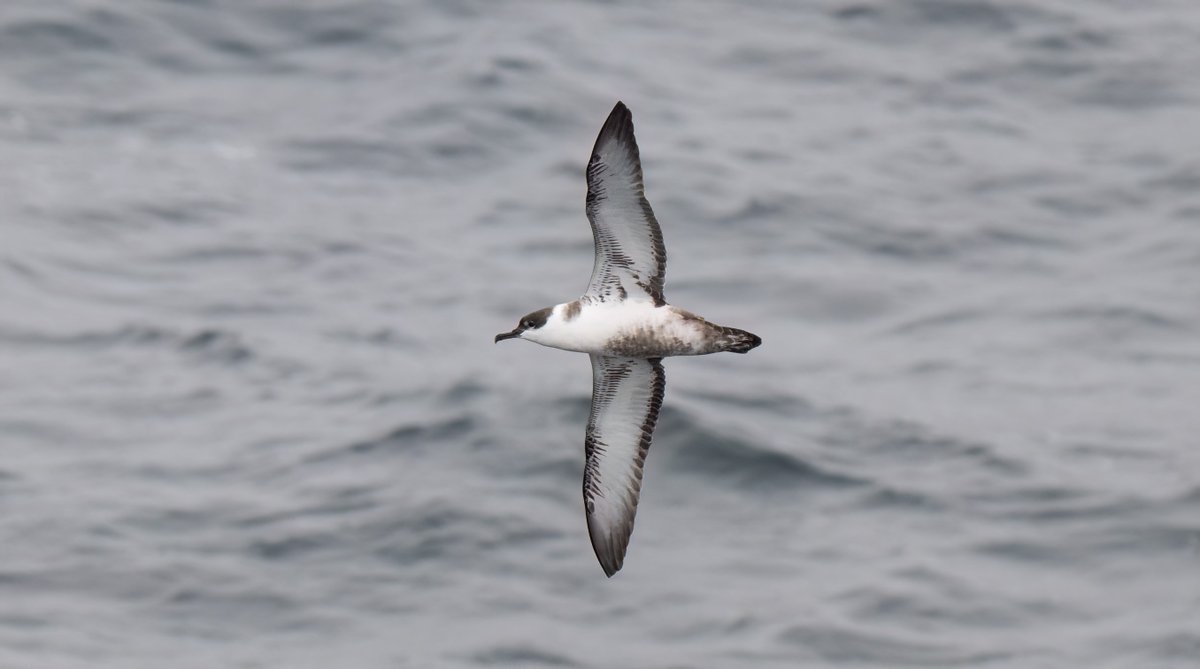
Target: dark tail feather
point(738, 341)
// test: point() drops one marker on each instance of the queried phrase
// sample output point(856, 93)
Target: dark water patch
point(258, 607)
point(10, 483)
point(542, 248)
point(763, 156)
point(1072, 40)
point(689, 446)
point(362, 27)
point(1184, 180)
point(790, 62)
point(353, 155)
point(385, 337)
point(431, 115)
point(725, 624)
point(854, 646)
point(104, 50)
point(774, 403)
point(988, 238)
point(538, 118)
point(225, 43)
point(922, 609)
point(1116, 319)
point(1153, 536)
point(1074, 205)
point(762, 208)
point(341, 502)
point(559, 469)
point(21, 268)
point(187, 212)
point(522, 656)
point(1191, 497)
point(1133, 88)
point(568, 170)
point(348, 36)
point(88, 279)
point(973, 14)
point(1182, 646)
point(931, 367)
point(437, 531)
point(401, 440)
point(212, 345)
point(24, 622)
point(885, 498)
point(181, 521)
point(58, 433)
point(1167, 251)
point(950, 318)
point(517, 64)
point(1042, 553)
point(63, 124)
point(893, 243)
point(47, 37)
point(293, 547)
point(250, 308)
point(95, 222)
point(432, 152)
point(454, 150)
point(575, 410)
point(217, 346)
point(151, 123)
point(1107, 451)
point(1053, 70)
point(464, 391)
point(912, 445)
point(856, 11)
point(1017, 182)
point(1051, 504)
point(129, 334)
point(953, 19)
point(221, 254)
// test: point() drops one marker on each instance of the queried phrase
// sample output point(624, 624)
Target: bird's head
point(528, 326)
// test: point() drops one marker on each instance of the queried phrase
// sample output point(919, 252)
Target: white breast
point(634, 328)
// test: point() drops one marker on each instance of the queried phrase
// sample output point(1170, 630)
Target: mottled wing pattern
point(626, 396)
point(631, 260)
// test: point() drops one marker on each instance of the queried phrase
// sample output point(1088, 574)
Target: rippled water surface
point(253, 254)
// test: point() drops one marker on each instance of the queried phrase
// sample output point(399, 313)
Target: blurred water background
point(253, 254)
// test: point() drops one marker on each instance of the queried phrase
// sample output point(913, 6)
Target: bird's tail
point(738, 341)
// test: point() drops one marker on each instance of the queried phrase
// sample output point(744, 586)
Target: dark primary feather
point(630, 255)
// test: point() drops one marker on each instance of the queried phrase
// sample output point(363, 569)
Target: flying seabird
point(625, 324)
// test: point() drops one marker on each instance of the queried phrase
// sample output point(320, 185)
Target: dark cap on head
point(531, 321)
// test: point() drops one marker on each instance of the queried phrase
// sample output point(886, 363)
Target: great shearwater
point(623, 322)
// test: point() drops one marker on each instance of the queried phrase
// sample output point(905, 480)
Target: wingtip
point(609, 548)
point(618, 125)
point(611, 564)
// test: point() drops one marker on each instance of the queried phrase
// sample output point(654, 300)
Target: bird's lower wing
point(627, 394)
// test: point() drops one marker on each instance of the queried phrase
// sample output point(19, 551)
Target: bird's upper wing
point(626, 396)
point(631, 260)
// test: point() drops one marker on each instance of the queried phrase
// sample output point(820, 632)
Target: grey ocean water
point(253, 254)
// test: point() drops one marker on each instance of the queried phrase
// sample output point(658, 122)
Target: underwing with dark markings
point(623, 321)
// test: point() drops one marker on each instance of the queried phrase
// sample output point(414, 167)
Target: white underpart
point(597, 324)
